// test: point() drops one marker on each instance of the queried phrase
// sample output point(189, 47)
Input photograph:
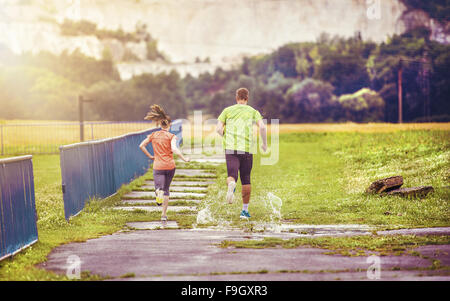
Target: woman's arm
point(175, 150)
point(143, 148)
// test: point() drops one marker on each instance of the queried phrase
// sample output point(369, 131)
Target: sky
point(186, 29)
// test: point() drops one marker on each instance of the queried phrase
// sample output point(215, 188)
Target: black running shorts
point(239, 162)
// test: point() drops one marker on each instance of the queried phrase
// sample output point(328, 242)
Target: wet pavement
point(196, 255)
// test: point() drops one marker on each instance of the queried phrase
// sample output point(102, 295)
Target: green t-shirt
point(238, 132)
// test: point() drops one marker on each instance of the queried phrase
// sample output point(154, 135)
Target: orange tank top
point(162, 149)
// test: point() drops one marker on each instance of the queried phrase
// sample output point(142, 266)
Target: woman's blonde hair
point(158, 115)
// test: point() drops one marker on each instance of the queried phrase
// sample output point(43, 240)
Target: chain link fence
point(46, 138)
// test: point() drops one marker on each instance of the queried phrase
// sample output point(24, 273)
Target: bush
point(364, 105)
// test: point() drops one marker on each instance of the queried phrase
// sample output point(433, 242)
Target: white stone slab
point(178, 188)
point(153, 225)
point(193, 173)
point(156, 208)
point(182, 183)
point(154, 201)
point(209, 160)
point(151, 194)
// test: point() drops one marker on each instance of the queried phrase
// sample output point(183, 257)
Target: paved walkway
point(156, 251)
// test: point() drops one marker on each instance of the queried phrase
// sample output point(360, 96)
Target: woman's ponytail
point(158, 115)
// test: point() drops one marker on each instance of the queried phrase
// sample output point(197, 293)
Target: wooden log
point(385, 185)
point(413, 192)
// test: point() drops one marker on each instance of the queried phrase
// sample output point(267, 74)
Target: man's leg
point(232, 170)
point(230, 179)
point(246, 191)
point(246, 164)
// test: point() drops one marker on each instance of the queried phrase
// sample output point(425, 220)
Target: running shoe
point(230, 192)
point(164, 218)
point(159, 197)
point(245, 214)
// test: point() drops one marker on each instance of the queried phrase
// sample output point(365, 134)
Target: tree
point(346, 72)
point(285, 61)
point(364, 105)
point(309, 101)
point(424, 63)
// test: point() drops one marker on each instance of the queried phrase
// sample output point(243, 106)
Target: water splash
point(222, 219)
point(217, 214)
point(273, 204)
point(204, 216)
point(217, 221)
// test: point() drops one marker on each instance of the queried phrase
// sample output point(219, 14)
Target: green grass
point(348, 246)
point(321, 179)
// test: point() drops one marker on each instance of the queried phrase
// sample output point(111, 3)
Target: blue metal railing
point(97, 169)
point(18, 228)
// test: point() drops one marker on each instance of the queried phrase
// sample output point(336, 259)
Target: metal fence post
point(80, 113)
point(1, 134)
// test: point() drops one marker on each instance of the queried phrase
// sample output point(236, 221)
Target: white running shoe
point(230, 192)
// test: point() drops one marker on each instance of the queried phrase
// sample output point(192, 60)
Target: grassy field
point(361, 128)
point(320, 177)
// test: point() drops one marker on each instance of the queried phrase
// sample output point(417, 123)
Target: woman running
point(164, 146)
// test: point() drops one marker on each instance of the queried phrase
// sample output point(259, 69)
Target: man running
point(235, 124)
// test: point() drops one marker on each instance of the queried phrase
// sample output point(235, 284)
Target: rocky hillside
point(194, 36)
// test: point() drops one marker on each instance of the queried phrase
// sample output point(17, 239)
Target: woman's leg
point(159, 179)
point(168, 179)
point(165, 205)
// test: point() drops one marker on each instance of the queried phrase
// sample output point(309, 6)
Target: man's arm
point(219, 128)
point(263, 133)
point(143, 148)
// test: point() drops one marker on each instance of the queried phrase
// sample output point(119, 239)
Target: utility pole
point(426, 75)
point(400, 99)
point(81, 100)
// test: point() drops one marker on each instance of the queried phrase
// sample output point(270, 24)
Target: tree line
point(333, 79)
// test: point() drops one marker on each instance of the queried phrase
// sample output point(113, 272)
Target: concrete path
point(193, 173)
point(156, 209)
point(418, 231)
point(175, 195)
point(195, 255)
point(153, 201)
point(161, 251)
point(177, 182)
point(177, 188)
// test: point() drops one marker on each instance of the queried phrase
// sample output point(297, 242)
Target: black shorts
point(239, 162)
point(162, 179)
